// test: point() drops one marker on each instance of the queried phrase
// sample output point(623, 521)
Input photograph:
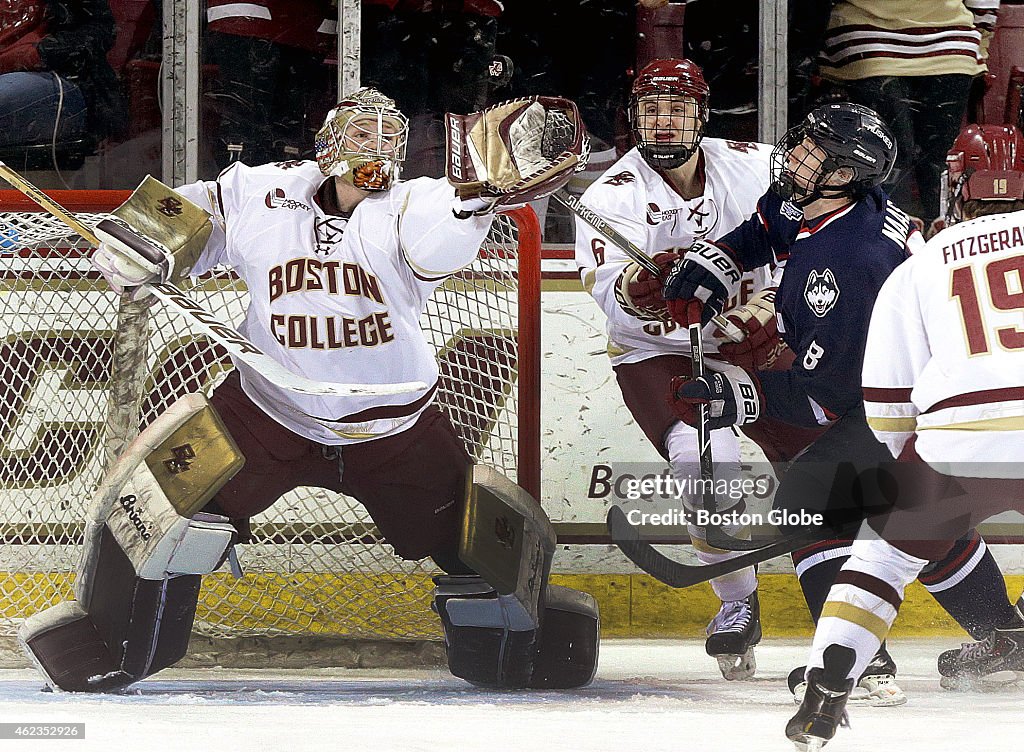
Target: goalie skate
point(876, 688)
point(732, 635)
point(992, 663)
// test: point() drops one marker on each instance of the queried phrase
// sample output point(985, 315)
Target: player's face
point(804, 162)
point(669, 119)
point(365, 134)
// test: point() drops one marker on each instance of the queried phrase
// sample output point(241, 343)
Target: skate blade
point(994, 682)
point(808, 743)
point(737, 667)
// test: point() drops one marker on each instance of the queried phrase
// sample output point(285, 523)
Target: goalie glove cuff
point(464, 208)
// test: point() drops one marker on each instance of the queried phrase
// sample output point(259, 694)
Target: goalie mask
point(668, 109)
point(363, 141)
point(840, 149)
point(985, 163)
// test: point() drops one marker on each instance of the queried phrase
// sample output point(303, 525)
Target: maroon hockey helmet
point(985, 163)
point(665, 80)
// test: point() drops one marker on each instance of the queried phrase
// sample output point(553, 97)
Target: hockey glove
point(638, 292)
point(749, 334)
point(733, 395)
point(154, 236)
point(514, 152)
point(700, 283)
point(129, 263)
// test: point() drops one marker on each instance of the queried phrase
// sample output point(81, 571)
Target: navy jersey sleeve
point(765, 236)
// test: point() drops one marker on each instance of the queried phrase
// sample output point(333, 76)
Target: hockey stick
point(578, 208)
point(678, 575)
point(715, 535)
point(237, 344)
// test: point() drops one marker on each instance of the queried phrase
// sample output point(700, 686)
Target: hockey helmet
point(668, 109)
point(985, 163)
point(363, 140)
point(832, 137)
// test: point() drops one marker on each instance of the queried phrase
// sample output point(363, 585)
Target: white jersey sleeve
point(896, 353)
point(434, 242)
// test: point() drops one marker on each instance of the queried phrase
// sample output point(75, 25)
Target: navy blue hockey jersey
point(834, 268)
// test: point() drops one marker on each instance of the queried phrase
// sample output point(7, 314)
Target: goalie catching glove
point(513, 152)
point(732, 394)
point(155, 236)
point(638, 292)
point(749, 334)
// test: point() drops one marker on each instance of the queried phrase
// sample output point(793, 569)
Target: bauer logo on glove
point(701, 282)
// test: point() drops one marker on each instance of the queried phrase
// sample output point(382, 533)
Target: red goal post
point(317, 568)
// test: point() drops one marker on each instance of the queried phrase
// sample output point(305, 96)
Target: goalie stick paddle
point(236, 343)
point(678, 575)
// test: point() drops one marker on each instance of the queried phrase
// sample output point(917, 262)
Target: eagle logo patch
point(821, 291)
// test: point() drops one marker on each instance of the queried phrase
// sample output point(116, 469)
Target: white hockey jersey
point(636, 200)
point(334, 298)
point(945, 350)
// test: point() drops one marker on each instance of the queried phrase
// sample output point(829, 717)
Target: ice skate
point(732, 635)
point(991, 663)
point(823, 708)
point(876, 688)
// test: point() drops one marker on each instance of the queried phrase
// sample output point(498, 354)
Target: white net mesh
point(316, 565)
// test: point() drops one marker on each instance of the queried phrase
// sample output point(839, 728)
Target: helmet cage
point(802, 182)
point(363, 141)
point(664, 86)
point(679, 116)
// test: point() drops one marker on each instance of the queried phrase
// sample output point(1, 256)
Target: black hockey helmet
point(661, 81)
point(851, 136)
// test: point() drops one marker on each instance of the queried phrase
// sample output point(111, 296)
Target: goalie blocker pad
point(515, 151)
point(161, 226)
point(505, 626)
point(146, 548)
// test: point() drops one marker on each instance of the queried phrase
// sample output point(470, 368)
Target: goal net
point(73, 391)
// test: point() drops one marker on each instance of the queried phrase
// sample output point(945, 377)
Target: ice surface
point(648, 695)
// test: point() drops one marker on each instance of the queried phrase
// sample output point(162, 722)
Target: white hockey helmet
point(363, 140)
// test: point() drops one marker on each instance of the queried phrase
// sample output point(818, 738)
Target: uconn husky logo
point(821, 292)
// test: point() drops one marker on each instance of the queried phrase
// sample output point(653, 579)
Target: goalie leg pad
point(507, 538)
point(485, 648)
point(146, 547)
point(568, 646)
point(491, 619)
point(489, 639)
point(129, 629)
